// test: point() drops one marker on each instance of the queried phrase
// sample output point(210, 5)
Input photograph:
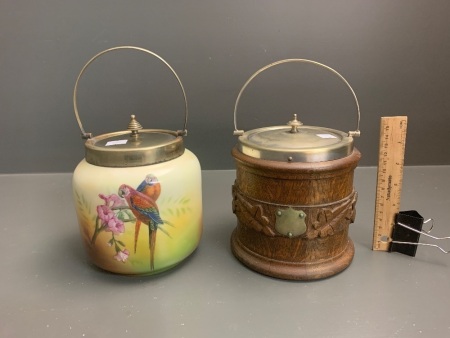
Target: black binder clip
point(406, 233)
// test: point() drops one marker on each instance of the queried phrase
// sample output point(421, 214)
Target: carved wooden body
point(315, 244)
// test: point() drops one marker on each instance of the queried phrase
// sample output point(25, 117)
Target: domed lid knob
point(294, 124)
point(134, 126)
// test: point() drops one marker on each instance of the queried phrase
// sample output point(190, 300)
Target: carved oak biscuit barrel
point(293, 197)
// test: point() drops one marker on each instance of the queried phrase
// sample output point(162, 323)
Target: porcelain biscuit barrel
point(138, 195)
point(293, 196)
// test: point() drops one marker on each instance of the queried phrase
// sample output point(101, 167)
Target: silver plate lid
point(135, 147)
point(295, 142)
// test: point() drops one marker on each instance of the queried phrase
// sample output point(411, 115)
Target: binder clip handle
point(406, 233)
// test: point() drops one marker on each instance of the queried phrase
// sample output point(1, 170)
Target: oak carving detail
point(321, 221)
point(251, 214)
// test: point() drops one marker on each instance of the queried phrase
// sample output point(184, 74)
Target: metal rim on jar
point(340, 145)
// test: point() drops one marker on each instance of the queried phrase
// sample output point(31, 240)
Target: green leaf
point(121, 215)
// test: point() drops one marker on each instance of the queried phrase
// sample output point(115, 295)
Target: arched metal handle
point(75, 107)
point(238, 132)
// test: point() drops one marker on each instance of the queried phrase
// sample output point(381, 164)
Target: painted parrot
point(152, 188)
point(146, 211)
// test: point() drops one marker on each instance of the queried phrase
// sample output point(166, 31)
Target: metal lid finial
point(134, 126)
point(295, 124)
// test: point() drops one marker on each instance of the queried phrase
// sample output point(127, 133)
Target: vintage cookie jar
point(293, 196)
point(137, 195)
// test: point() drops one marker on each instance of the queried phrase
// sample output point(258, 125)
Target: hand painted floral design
point(122, 256)
point(130, 205)
point(112, 201)
point(111, 217)
point(109, 220)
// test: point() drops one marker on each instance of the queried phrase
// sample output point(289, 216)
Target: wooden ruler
point(389, 178)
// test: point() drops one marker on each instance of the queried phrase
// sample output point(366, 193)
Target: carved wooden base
point(293, 218)
point(292, 270)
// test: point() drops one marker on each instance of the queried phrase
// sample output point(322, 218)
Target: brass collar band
point(307, 144)
point(124, 149)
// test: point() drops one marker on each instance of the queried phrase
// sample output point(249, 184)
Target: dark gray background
point(395, 54)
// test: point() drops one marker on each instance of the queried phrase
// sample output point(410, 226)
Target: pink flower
point(122, 256)
point(104, 213)
point(115, 226)
point(112, 200)
point(109, 220)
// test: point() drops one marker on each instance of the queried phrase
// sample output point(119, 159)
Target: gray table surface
point(49, 289)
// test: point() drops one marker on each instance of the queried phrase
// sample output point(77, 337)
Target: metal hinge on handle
point(355, 133)
point(86, 135)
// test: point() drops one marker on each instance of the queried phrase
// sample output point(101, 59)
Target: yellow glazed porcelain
point(137, 195)
point(110, 241)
